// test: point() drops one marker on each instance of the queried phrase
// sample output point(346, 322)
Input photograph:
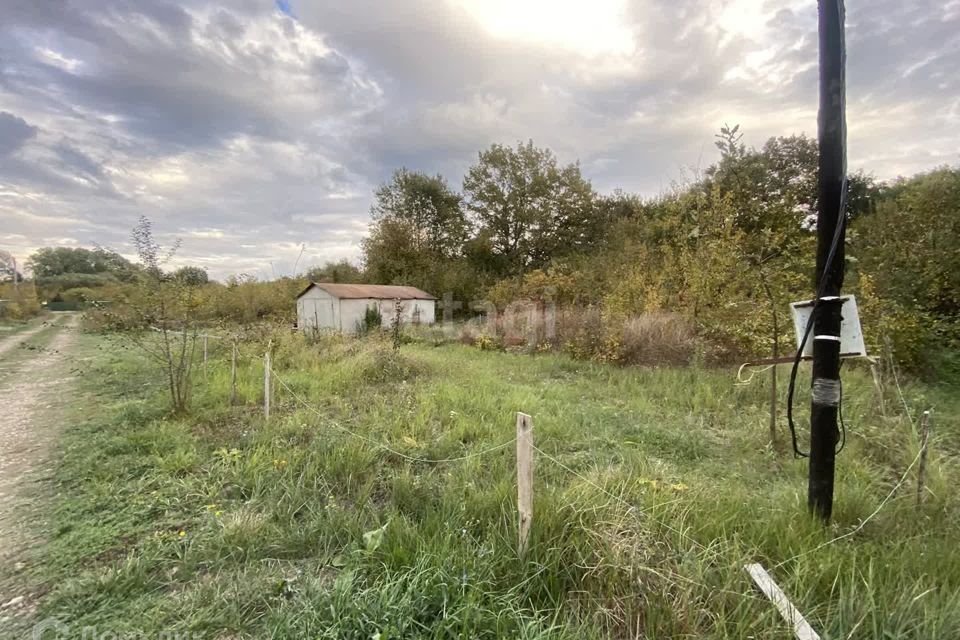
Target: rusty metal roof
point(375, 291)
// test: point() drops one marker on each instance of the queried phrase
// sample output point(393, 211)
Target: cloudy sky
point(247, 128)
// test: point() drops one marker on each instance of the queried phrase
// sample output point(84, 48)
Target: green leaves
point(373, 539)
point(532, 209)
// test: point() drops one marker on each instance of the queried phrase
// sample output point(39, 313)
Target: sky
point(253, 130)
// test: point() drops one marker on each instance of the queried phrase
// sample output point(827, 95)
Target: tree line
point(725, 252)
point(728, 250)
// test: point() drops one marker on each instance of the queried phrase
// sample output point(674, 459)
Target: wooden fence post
point(266, 384)
point(878, 383)
point(524, 477)
point(233, 375)
point(924, 442)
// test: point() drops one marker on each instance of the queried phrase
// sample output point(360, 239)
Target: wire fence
point(640, 513)
point(630, 509)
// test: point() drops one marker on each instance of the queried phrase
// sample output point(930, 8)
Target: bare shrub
point(522, 324)
point(657, 339)
point(580, 332)
point(159, 315)
point(479, 335)
point(588, 333)
point(469, 333)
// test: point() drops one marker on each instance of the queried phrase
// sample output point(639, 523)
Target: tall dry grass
point(587, 333)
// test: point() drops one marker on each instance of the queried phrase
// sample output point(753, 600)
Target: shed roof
point(376, 291)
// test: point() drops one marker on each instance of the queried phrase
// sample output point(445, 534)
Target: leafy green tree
point(341, 271)
point(531, 208)
point(191, 275)
point(418, 235)
point(49, 262)
point(391, 255)
point(908, 261)
point(427, 208)
point(912, 243)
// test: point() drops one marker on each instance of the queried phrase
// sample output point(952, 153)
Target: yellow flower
point(182, 533)
point(679, 487)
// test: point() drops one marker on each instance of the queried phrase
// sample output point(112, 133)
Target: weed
point(372, 320)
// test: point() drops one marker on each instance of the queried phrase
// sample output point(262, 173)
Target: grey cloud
point(14, 131)
point(247, 132)
point(148, 64)
point(78, 162)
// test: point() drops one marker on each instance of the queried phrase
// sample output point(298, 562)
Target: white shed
point(341, 307)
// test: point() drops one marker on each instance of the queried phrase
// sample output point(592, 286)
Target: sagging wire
point(821, 287)
point(741, 381)
point(863, 522)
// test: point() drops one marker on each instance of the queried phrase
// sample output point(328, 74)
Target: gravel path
point(10, 342)
point(31, 406)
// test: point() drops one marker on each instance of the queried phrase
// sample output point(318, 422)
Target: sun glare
point(591, 28)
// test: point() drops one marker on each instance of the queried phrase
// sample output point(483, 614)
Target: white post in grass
point(266, 384)
point(878, 383)
point(233, 375)
point(924, 441)
point(524, 477)
point(204, 357)
point(801, 628)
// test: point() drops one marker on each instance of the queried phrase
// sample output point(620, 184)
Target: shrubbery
point(586, 333)
point(20, 302)
point(710, 267)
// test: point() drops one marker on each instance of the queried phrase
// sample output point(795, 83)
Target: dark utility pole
point(831, 222)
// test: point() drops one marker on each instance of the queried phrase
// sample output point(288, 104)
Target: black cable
point(821, 286)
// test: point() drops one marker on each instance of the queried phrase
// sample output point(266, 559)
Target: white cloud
point(587, 28)
point(52, 57)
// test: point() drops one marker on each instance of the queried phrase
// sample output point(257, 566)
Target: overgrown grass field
point(653, 487)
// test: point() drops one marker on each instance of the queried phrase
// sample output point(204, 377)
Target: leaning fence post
point(233, 375)
point(524, 477)
point(266, 384)
point(924, 442)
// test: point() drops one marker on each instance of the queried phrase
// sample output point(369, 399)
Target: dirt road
point(32, 395)
point(11, 342)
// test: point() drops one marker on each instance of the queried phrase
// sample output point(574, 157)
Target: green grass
point(226, 526)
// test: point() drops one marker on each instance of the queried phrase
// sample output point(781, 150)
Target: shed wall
point(409, 311)
point(352, 311)
point(317, 309)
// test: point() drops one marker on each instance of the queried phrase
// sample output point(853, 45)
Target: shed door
point(321, 314)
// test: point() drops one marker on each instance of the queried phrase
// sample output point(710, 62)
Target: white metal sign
point(851, 336)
